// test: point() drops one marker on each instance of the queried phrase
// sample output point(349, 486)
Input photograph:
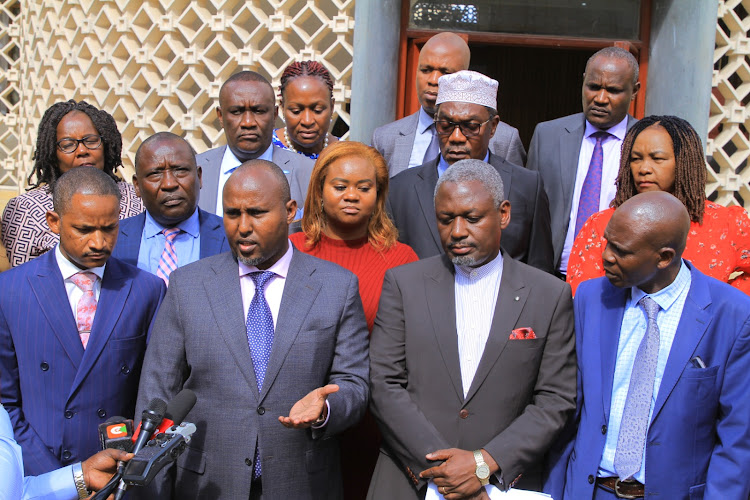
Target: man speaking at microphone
point(274, 344)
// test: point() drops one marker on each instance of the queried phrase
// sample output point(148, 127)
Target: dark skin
point(457, 146)
point(443, 54)
point(99, 468)
point(608, 90)
point(247, 112)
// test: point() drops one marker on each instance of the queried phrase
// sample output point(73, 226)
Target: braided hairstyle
point(46, 169)
point(690, 164)
point(306, 68)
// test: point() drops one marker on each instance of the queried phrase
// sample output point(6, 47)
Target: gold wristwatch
point(483, 470)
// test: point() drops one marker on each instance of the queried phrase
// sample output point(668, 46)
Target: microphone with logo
point(117, 433)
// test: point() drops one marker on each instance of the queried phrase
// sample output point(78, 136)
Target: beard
point(251, 262)
point(464, 261)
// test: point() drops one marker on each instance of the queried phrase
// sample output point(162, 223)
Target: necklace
point(293, 149)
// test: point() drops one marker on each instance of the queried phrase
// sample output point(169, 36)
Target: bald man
point(663, 358)
point(274, 344)
point(412, 141)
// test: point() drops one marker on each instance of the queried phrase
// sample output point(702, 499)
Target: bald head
point(660, 217)
point(264, 173)
point(442, 54)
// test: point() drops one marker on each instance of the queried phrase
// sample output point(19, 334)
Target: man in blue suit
point(663, 360)
point(73, 328)
point(172, 231)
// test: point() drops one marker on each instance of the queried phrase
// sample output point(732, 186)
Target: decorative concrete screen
point(155, 65)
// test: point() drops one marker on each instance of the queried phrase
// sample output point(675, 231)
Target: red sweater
point(362, 259)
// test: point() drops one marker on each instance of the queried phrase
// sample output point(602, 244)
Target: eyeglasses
point(69, 145)
point(468, 129)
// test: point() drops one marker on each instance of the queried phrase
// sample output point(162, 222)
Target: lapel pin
point(517, 298)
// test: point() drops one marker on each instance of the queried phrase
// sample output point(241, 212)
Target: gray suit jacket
point(200, 343)
point(296, 166)
point(554, 152)
point(521, 396)
point(395, 141)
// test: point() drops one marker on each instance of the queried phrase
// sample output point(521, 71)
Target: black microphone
point(117, 433)
point(150, 420)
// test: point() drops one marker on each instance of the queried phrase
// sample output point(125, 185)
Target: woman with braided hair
point(71, 134)
point(307, 106)
point(664, 153)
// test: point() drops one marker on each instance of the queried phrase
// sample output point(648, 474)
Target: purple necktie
point(592, 186)
point(433, 149)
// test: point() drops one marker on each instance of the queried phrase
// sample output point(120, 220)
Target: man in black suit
point(466, 120)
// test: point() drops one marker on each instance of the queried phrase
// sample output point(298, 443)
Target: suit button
point(44, 366)
point(124, 370)
point(261, 410)
point(604, 429)
point(101, 413)
point(66, 455)
point(463, 413)
point(68, 414)
point(248, 462)
point(591, 479)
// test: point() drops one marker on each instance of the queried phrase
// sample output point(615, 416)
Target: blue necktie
point(259, 326)
point(433, 149)
point(631, 441)
point(588, 203)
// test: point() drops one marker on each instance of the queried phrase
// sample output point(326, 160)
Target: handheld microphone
point(117, 433)
point(176, 411)
point(150, 420)
point(160, 451)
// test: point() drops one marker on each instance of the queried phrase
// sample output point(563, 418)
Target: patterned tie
point(433, 150)
point(634, 425)
point(168, 261)
point(259, 326)
point(592, 185)
point(86, 308)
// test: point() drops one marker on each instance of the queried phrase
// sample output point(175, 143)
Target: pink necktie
point(86, 308)
point(168, 261)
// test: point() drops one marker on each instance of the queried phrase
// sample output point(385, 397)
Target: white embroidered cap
point(468, 86)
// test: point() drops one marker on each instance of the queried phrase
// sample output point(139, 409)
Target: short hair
point(475, 170)
point(617, 53)
point(82, 180)
point(381, 233)
point(689, 170)
point(46, 169)
point(245, 76)
point(306, 68)
point(159, 137)
point(283, 182)
point(492, 111)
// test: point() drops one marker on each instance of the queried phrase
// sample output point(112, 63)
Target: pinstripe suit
point(55, 392)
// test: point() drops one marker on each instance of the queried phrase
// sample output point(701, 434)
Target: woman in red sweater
point(345, 222)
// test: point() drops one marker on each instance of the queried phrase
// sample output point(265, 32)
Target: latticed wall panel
point(155, 66)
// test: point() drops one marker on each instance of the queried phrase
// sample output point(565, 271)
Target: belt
point(629, 488)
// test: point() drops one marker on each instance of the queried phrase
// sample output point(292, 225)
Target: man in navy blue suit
point(663, 360)
point(173, 231)
point(73, 328)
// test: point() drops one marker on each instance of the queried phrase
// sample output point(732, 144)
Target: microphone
point(117, 433)
point(160, 451)
point(176, 411)
point(150, 420)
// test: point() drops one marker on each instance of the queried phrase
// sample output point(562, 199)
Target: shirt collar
point(477, 273)
point(68, 269)
point(667, 295)
point(443, 165)
point(280, 268)
point(230, 162)
point(425, 121)
point(618, 130)
point(191, 226)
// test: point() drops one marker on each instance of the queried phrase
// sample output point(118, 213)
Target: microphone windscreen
point(157, 407)
point(180, 406)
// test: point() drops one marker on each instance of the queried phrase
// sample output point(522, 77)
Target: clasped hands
point(456, 477)
point(309, 409)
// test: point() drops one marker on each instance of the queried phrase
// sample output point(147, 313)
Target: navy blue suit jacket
point(55, 392)
point(213, 238)
point(698, 443)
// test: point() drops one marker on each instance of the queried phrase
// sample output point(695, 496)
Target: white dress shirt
point(611, 150)
point(422, 139)
point(68, 269)
point(229, 164)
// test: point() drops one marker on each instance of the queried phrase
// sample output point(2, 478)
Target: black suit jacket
point(527, 238)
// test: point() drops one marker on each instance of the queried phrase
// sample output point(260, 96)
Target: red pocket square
point(525, 333)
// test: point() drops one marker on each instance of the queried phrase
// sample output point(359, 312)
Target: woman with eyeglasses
point(71, 134)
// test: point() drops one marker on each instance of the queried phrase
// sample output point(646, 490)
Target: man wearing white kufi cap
point(465, 121)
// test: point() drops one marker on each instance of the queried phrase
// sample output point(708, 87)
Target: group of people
point(376, 322)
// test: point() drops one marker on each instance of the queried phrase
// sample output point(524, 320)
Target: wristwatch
point(80, 482)
point(483, 470)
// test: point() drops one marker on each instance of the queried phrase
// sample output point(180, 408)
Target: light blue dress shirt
point(422, 138)
point(671, 301)
point(55, 485)
point(443, 165)
point(187, 243)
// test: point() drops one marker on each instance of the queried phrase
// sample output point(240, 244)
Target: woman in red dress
point(664, 153)
point(345, 222)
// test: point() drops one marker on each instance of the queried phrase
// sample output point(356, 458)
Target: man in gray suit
point(472, 357)
point(465, 121)
point(564, 150)
point(247, 111)
point(412, 141)
point(274, 344)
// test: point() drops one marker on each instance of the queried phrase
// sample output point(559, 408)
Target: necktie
point(433, 150)
point(259, 326)
point(631, 441)
point(86, 308)
point(168, 261)
point(592, 185)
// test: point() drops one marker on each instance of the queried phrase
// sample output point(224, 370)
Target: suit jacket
point(213, 238)
point(200, 342)
point(554, 150)
point(396, 140)
point(521, 396)
point(698, 442)
point(55, 392)
point(297, 167)
point(411, 203)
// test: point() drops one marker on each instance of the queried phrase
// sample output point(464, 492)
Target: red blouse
point(720, 247)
